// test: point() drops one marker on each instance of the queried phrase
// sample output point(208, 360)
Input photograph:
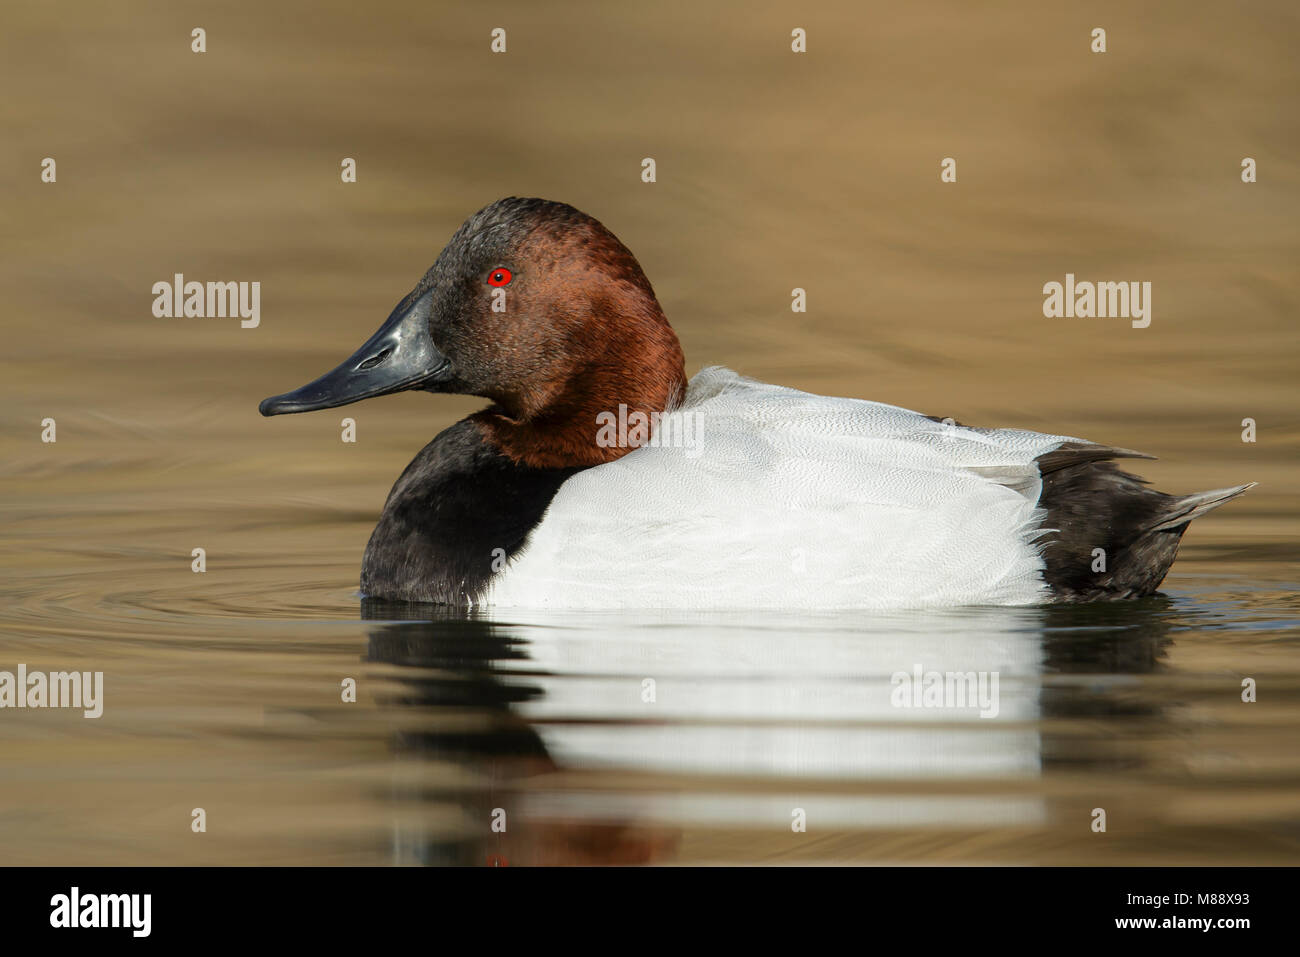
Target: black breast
point(454, 519)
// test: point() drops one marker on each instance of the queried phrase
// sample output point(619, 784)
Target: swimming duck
point(600, 477)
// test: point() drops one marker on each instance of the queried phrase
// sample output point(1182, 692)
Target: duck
point(600, 477)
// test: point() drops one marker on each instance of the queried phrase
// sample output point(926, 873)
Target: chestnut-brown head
point(541, 309)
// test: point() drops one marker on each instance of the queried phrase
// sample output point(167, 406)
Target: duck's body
point(792, 500)
point(746, 495)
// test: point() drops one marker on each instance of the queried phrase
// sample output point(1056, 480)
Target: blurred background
point(775, 170)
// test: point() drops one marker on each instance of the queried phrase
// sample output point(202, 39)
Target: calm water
point(1134, 708)
point(223, 689)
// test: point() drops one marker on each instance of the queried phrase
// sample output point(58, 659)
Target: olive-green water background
point(775, 170)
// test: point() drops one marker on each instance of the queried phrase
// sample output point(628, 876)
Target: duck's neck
point(570, 426)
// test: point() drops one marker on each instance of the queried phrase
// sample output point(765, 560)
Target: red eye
point(499, 277)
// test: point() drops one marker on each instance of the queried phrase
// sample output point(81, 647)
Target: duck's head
point(536, 306)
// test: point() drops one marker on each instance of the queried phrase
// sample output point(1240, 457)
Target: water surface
point(775, 172)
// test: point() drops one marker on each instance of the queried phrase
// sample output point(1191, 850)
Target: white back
point(792, 500)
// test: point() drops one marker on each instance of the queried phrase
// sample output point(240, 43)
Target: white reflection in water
point(797, 702)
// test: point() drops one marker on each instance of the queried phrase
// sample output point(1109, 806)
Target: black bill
point(400, 356)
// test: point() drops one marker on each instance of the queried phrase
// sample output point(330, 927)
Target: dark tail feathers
point(1091, 505)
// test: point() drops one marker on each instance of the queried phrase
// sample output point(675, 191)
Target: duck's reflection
point(1112, 638)
point(1096, 654)
point(743, 717)
point(462, 694)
